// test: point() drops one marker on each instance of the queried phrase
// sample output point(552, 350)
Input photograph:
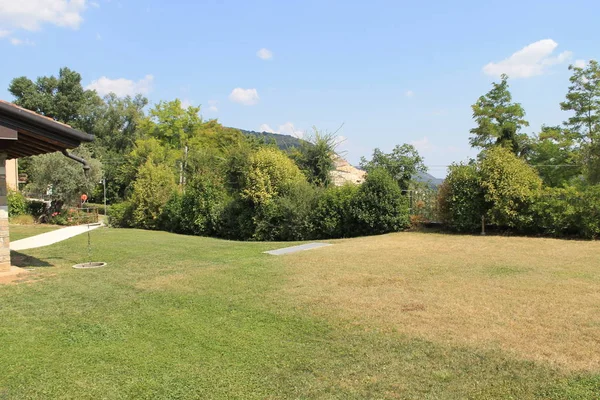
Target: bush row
point(509, 194)
point(277, 210)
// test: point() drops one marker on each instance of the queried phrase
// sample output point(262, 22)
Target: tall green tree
point(583, 100)
point(555, 155)
point(62, 98)
point(402, 164)
point(499, 120)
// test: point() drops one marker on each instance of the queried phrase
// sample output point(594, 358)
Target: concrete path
point(293, 249)
point(48, 238)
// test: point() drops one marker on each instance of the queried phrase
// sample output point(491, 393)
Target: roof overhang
point(24, 133)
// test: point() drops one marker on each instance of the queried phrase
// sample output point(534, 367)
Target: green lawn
point(191, 318)
point(18, 232)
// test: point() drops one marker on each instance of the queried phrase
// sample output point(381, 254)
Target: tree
point(62, 177)
point(555, 156)
point(270, 173)
point(379, 206)
point(460, 198)
point(583, 99)
point(510, 186)
point(151, 191)
point(62, 98)
point(499, 120)
point(402, 164)
point(315, 157)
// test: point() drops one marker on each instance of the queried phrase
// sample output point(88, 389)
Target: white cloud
point(247, 97)
point(21, 42)
point(122, 87)
point(32, 14)
point(4, 34)
point(264, 54)
point(579, 64)
point(212, 106)
point(94, 4)
point(409, 93)
point(531, 60)
point(286, 129)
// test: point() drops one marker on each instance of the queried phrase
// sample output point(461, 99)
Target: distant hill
point(429, 179)
point(284, 142)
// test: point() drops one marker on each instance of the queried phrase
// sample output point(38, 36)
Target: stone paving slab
point(48, 238)
point(293, 249)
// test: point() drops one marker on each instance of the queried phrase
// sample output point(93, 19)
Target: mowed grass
point(18, 232)
point(187, 317)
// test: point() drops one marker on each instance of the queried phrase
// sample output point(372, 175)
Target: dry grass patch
point(536, 298)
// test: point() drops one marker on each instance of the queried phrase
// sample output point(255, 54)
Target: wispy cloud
point(264, 54)
point(409, 93)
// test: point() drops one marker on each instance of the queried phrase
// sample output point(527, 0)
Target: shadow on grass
point(22, 260)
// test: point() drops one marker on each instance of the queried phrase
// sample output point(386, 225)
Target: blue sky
point(392, 72)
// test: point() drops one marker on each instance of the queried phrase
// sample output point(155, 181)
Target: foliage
point(62, 98)
point(270, 174)
point(17, 204)
point(200, 206)
point(402, 164)
point(151, 191)
point(62, 179)
point(120, 215)
point(590, 212)
point(461, 201)
point(555, 157)
point(499, 120)
point(509, 186)
point(315, 157)
point(287, 217)
point(379, 205)
point(36, 208)
point(583, 100)
point(556, 211)
point(332, 215)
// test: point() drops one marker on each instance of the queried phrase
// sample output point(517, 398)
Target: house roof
point(26, 133)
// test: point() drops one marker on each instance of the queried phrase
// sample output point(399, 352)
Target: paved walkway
point(48, 238)
point(293, 249)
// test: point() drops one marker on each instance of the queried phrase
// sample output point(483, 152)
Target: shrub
point(170, 217)
point(237, 221)
point(121, 215)
point(379, 206)
point(555, 211)
point(151, 191)
point(36, 208)
point(287, 217)
point(17, 204)
point(202, 205)
point(589, 210)
point(460, 198)
point(270, 174)
point(332, 216)
point(510, 187)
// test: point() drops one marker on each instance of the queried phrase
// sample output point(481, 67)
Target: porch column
point(4, 240)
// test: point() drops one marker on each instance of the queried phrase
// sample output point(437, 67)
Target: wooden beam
point(8, 134)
